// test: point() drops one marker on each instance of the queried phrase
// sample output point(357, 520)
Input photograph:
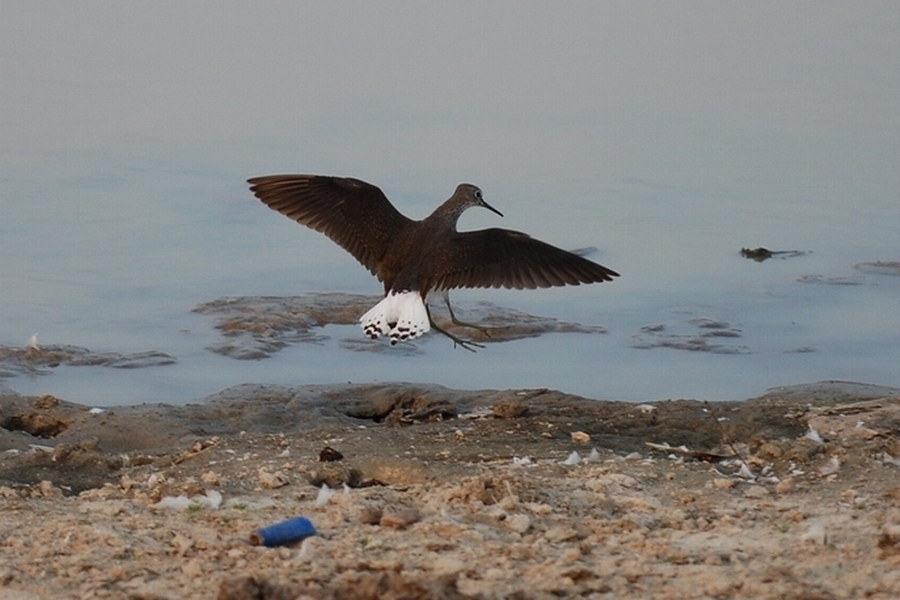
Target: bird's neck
point(446, 215)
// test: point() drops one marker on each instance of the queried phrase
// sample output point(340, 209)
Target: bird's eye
point(478, 194)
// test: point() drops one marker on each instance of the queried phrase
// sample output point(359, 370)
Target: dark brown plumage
point(422, 256)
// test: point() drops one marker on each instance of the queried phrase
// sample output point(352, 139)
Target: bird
point(416, 260)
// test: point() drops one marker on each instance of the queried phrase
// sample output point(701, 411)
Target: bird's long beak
point(491, 208)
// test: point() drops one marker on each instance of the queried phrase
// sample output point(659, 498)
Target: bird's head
point(469, 195)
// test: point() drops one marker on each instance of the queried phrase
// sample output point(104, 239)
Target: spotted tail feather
point(400, 315)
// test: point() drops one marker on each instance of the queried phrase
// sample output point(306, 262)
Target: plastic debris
point(325, 493)
point(573, 459)
point(282, 533)
point(813, 435)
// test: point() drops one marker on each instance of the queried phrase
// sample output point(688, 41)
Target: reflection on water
point(732, 346)
point(667, 140)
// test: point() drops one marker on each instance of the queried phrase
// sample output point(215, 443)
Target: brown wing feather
point(354, 214)
point(510, 259)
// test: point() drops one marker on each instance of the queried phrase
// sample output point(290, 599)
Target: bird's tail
point(400, 315)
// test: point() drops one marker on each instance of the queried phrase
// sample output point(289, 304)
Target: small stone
point(518, 522)
point(329, 454)
point(621, 479)
point(784, 486)
point(334, 475)
point(815, 535)
point(831, 467)
point(570, 555)
point(756, 491)
point(770, 450)
point(46, 401)
point(192, 568)
point(48, 490)
point(116, 572)
point(713, 560)
point(271, 480)
point(723, 484)
point(508, 502)
point(370, 515)
point(889, 540)
point(447, 565)
point(580, 437)
point(182, 543)
point(211, 478)
point(560, 533)
point(508, 409)
point(400, 519)
point(8, 492)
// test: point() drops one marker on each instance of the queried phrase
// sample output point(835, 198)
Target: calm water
point(668, 136)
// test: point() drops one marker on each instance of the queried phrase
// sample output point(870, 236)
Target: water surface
point(669, 137)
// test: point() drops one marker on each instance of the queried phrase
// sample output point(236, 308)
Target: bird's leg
point(446, 296)
point(456, 340)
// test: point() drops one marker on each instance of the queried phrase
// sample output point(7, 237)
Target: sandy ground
point(450, 494)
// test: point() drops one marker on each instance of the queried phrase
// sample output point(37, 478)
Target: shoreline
point(443, 493)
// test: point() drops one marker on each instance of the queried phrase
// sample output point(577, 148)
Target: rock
point(580, 437)
point(400, 519)
point(518, 522)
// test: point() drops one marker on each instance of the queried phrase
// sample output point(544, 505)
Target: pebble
point(560, 533)
point(400, 519)
point(784, 486)
point(211, 478)
point(540, 531)
point(889, 540)
point(447, 565)
point(48, 490)
point(518, 522)
point(580, 437)
point(192, 568)
point(508, 409)
point(370, 515)
point(756, 491)
point(270, 480)
point(815, 534)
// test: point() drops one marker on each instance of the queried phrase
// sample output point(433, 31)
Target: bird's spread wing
point(510, 259)
point(354, 214)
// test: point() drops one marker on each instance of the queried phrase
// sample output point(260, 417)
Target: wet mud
point(256, 327)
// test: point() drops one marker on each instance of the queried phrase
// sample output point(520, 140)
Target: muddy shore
point(440, 493)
